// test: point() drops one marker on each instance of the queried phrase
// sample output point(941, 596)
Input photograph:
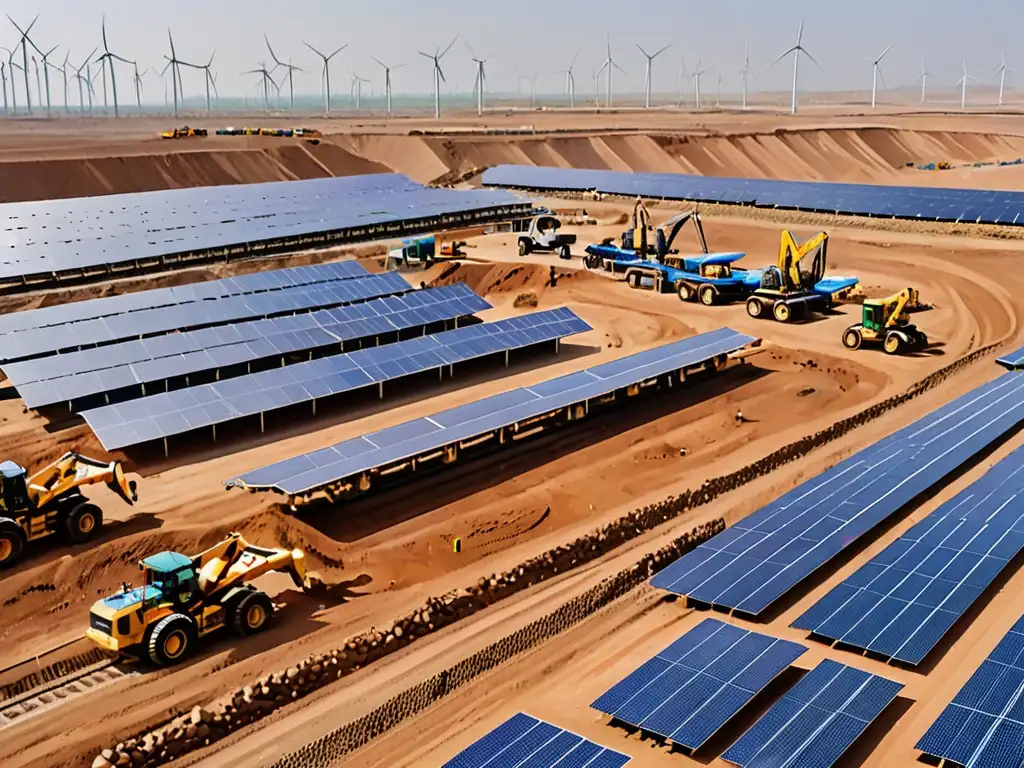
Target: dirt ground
point(388, 551)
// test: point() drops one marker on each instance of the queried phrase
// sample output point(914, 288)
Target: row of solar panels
point(255, 282)
point(934, 204)
point(689, 691)
point(310, 471)
point(163, 415)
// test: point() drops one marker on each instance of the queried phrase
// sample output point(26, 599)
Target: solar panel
point(255, 282)
point(905, 599)
point(171, 413)
point(60, 236)
point(816, 721)
point(936, 204)
point(983, 727)
point(1012, 361)
point(526, 742)
point(63, 378)
point(752, 564)
point(379, 449)
point(145, 322)
point(692, 688)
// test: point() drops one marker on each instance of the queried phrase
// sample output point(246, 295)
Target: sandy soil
point(389, 551)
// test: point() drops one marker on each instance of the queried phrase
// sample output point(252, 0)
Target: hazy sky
point(537, 37)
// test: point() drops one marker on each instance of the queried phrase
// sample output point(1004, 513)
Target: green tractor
point(885, 322)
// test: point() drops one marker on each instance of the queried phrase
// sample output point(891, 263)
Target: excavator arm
point(792, 253)
point(674, 225)
point(235, 562)
point(73, 470)
point(894, 306)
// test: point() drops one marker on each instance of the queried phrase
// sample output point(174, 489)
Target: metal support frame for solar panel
point(1013, 361)
point(928, 204)
point(983, 727)
point(905, 599)
point(160, 416)
point(147, 323)
point(754, 563)
point(690, 690)
point(525, 740)
point(816, 721)
point(320, 221)
point(343, 469)
point(217, 353)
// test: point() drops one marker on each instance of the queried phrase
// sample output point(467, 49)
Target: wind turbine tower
point(357, 87)
point(962, 82)
point(1001, 71)
point(438, 74)
point(609, 63)
point(289, 66)
point(175, 64)
point(745, 73)
point(647, 75)
point(876, 73)
point(696, 82)
point(108, 58)
point(796, 50)
point(210, 80)
point(327, 71)
point(570, 81)
point(387, 80)
point(480, 80)
point(923, 77)
point(24, 57)
point(266, 80)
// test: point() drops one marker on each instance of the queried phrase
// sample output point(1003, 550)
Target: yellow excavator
point(51, 501)
point(183, 599)
point(787, 291)
point(887, 322)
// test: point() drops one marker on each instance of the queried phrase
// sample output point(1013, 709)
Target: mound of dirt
point(490, 279)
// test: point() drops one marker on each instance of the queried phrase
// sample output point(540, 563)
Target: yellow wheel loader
point(183, 599)
point(51, 501)
point(885, 322)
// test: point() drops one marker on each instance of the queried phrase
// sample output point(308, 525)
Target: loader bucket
point(122, 486)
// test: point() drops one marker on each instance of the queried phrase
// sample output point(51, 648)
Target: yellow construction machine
point(183, 599)
point(51, 501)
point(886, 322)
point(787, 291)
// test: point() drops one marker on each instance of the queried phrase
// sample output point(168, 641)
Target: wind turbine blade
point(884, 52)
point(338, 51)
point(619, 68)
point(808, 55)
point(441, 73)
point(468, 48)
point(662, 50)
point(314, 50)
point(882, 78)
point(270, 49)
point(573, 62)
point(640, 48)
point(379, 62)
point(794, 48)
point(800, 34)
point(448, 48)
point(428, 55)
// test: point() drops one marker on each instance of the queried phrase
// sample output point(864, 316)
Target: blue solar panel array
point(256, 282)
point(930, 203)
point(171, 413)
point(327, 465)
point(526, 742)
point(695, 686)
point(64, 235)
point(817, 721)
point(64, 378)
point(752, 564)
point(1012, 361)
point(905, 599)
point(105, 330)
point(983, 727)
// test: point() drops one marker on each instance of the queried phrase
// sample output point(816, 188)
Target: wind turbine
point(1001, 71)
point(108, 58)
point(796, 50)
point(570, 81)
point(647, 76)
point(438, 74)
point(679, 84)
point(87, 80)
point(24, 59)
point(137, 79)
point(697, 72)
point(963, 83)
point(289, 66)
point(63, 69)
point(357, 88)
point(39, 82)
point(744, 73)
point(175, 64)
point(480, 82)
point(3, 77)
point(211, 80)
point(327, 69)
point(876, 72)
point(387, 79)
point(266, 81)
point(609, 63)
point(923, 77)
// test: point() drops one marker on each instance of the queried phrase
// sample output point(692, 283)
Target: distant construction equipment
point(885, 322)
point(184, 598)
point(51, 501)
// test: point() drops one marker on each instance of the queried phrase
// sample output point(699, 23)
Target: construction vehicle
point(182, 133)
point(788, 292)
point(886, 322)
point(424, 251)
point(51, 501)
point(543, 236)
point(183, 599)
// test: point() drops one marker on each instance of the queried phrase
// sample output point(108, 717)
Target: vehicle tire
point(755, 307)
point(524, 247)
point(251, 613)
point(171, 640)
point(82, 522)
point(922, 341)
point(684, 291)
point(708, 295)
point(782, 311)
point(12, 542)
point(852, 338)
point(893, 344)
point(591, 261)
point(565, 252)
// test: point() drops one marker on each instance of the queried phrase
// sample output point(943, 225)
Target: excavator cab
point(14, 490)
point(169, 577)
point(874, 317)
